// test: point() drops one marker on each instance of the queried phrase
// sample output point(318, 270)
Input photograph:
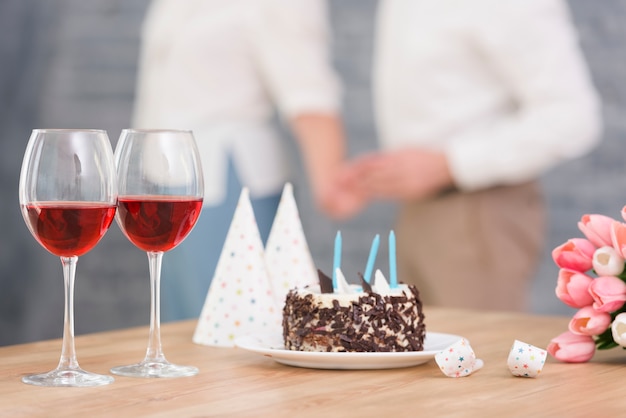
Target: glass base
point(154, 369)
point(71, 377)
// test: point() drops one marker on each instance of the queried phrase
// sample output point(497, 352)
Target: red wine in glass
point(161, 188)
point(68, 199)
point(69, 229)
point(158, 223)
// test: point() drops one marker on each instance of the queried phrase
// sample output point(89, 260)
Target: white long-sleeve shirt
point(500, 86)
point(219, 68)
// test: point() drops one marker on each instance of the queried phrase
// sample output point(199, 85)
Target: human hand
point(410, 173)
point(339, 196)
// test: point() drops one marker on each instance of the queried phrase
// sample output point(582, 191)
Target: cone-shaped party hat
point(288, 259)
point(240, 300)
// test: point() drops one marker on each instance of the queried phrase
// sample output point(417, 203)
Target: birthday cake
point(366, 318)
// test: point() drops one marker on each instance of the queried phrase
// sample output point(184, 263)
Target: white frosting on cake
point(346, 293)
point(350, 319)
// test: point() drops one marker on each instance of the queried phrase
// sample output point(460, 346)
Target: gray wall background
point(71, 63)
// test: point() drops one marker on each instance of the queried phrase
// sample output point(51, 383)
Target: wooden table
point(234, 382)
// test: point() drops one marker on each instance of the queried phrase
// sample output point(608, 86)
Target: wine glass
point(68, 198)
point(161, 189)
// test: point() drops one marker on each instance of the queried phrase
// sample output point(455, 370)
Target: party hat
point(288, 259)
point(458, 360)
point(239, 301)
point(526, 360)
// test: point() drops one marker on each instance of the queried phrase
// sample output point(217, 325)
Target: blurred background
point(72, 63)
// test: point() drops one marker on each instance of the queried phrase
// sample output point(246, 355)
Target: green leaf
point(606, 345)
point(605, 341)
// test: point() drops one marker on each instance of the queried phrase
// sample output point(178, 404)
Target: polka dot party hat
point(240, 300)
point(288, 259)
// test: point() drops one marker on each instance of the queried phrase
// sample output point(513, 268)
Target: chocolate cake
point(367, 319)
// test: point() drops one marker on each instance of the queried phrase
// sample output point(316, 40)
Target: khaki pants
point(473, 250)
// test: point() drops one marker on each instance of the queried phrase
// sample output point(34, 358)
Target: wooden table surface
point(234, 382)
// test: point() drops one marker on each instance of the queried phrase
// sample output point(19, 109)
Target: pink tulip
point(572, 288)
point(576, 254)
point(588, 321)
point(608, 293)
point(572, 348)
point(618, 237)
point(597, 229)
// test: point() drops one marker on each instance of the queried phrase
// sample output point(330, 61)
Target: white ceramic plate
point(273, 347)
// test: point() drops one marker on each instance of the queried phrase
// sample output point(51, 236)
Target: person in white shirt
point(474, 100)
point(223, 69)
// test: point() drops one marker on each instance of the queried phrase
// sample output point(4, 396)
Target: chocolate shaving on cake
point(366, 286)
point(326, 283)
point(371, 323)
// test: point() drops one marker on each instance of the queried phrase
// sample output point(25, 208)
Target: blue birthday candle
point(393, 274)
point(336, 258)
point(370, 260)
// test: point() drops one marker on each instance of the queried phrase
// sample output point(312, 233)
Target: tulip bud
point(575, 254)
point(572, 288)
point(618, 329)
point(608, 293)
point(572, 348)
point(618, 237)
point(607, 262)
point(597, 229)
point(589, 321)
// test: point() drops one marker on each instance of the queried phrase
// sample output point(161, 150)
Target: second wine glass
point(160, 198)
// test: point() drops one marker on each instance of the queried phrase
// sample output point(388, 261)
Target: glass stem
point(154, 354)
point(68, 359)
